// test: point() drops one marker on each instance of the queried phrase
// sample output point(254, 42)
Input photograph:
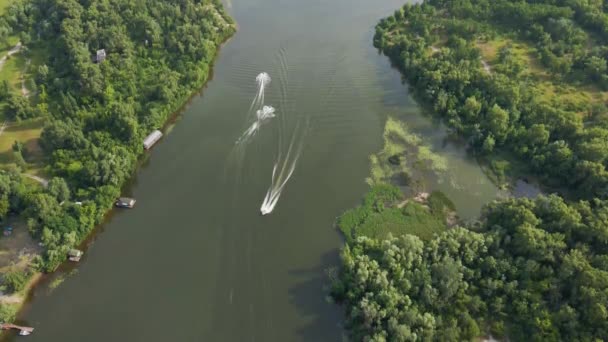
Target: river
point(195, 260)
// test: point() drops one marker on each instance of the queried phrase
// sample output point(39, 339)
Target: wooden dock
point(22, 330)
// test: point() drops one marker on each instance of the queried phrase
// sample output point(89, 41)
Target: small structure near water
point(75, 255)
point(23, 331)
point(125, 202)
point(8, 231)
point(152, 139)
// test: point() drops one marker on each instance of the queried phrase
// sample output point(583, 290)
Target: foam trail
point(274, 193)
point(262, 115)
point(285, 164)
point(267, 112)
point(262, 79)
point(279, 181)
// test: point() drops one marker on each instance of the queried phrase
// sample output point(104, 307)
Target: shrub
point(15, 280)
point(8, 312)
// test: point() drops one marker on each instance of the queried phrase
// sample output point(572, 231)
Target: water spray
point(262, 115)
point(262, 80)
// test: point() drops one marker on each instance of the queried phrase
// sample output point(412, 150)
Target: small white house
point(152, 139)
point(100, 56)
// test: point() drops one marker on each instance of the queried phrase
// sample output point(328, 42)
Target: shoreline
point(39, 279)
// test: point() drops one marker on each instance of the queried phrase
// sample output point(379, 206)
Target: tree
point(595, 67)
point(472, 108)
point(488, 144)
point(15, 280)
point(4, 207)
point(498, 123)
point(18, 108)
point(5, 90)
point(59, 189)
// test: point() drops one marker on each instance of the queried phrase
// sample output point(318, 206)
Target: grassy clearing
point(413, 218)
point(489, 49)
point(8, 44)
point(11, 71)
point(522, 52)
point(380, 216)
point(4, 5)
point(27, 132)
point(572, 98)
point(576, 97)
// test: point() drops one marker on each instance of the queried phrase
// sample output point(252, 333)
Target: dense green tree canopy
point(98, 110)
point(512, 77)
point(503, 107)
point(533, 270)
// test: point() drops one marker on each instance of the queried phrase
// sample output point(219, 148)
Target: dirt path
point(486, 66)
point(11, 52)
point(40, 180)
point(2, 128)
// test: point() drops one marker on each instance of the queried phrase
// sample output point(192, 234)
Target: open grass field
point(11, 71)
point(26, 132)
point(522, 52)
point(413, 219)
point(575, 96)
point(3, 5)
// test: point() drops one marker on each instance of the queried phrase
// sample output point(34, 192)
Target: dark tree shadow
point(311, 298)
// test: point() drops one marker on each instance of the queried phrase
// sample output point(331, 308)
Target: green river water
point(195, 260)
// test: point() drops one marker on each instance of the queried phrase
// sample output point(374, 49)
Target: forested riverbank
point(106, 74)
point(524, 83)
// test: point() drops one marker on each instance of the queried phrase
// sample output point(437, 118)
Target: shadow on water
point(310, 297)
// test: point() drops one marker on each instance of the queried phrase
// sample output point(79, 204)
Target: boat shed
point(152, 139)
point(75, 255)
point(125, 202)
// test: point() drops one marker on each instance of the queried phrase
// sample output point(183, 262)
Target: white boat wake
point(262, 79)
point(262, 115)
point(279, 180)
point(285, 164)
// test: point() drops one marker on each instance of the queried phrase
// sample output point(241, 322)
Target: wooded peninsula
point(525, 83)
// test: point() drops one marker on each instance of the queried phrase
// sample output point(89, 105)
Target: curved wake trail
point(284, 165)
point(262, 79)
point(279, 180)
point(262, 115)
